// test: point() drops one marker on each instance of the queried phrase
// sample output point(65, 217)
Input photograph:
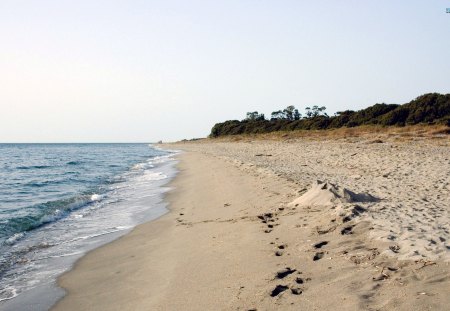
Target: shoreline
point(144, 189)
point(74, 269)
point(109, 278)
point(231, 240)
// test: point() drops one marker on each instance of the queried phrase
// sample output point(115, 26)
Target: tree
point(315, 111)
point(289, 113)
point(322, 111)
point(255, 116)
point(277, 115)
point(308, 112)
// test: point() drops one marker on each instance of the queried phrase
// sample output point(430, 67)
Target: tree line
point(429, 108)
point(290, 113)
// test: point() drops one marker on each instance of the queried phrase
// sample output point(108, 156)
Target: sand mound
point(327, 194)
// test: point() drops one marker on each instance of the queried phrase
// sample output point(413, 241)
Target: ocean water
point(58, 201)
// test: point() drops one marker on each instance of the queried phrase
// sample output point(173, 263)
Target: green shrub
point(428, 108)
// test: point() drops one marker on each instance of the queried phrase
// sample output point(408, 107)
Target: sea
point(59, 201)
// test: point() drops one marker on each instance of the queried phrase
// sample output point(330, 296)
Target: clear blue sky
point(112, 71)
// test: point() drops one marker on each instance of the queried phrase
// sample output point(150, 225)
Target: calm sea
point(58, 201)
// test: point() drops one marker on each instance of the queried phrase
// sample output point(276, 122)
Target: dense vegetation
point(429, 108)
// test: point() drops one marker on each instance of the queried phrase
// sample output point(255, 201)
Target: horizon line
point(17, 143)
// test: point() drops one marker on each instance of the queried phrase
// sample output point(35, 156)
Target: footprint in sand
point(268, 218)
point(278, 290)
point(296, 291)
point(394, 248)
point(280, 252)
point(318, 256)
point(347, 230)
point(265, 217)
point(284, 273)
point(299, 280)
point(281, 288)
point(320, 244)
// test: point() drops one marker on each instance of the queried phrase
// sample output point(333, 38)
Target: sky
point(144, 71)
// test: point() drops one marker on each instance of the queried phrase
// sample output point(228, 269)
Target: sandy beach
point(224, 155)
point(349, 224)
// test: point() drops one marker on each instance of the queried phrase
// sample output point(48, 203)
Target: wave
point(8, 293)
point(33, 167)
point(148, 176)
point(39, 184)
point(36, 216)
point(141, 166)
point(14, 238)
point(108, 231)
point(80, 196)
point(74, 163)
point(96, 197)
point(19, 256)
point(42, 214)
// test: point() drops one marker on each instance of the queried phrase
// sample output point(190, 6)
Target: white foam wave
point(57, 256)
point(110, 230)
point(162, 159)
point(16, 237)
point(51, 218)
point(8, 293)
point(141, 166)
point(148, 176)
point(123, 227)
point(96, 197)
point(127, 201)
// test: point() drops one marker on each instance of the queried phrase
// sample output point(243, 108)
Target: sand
point(270, 225)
